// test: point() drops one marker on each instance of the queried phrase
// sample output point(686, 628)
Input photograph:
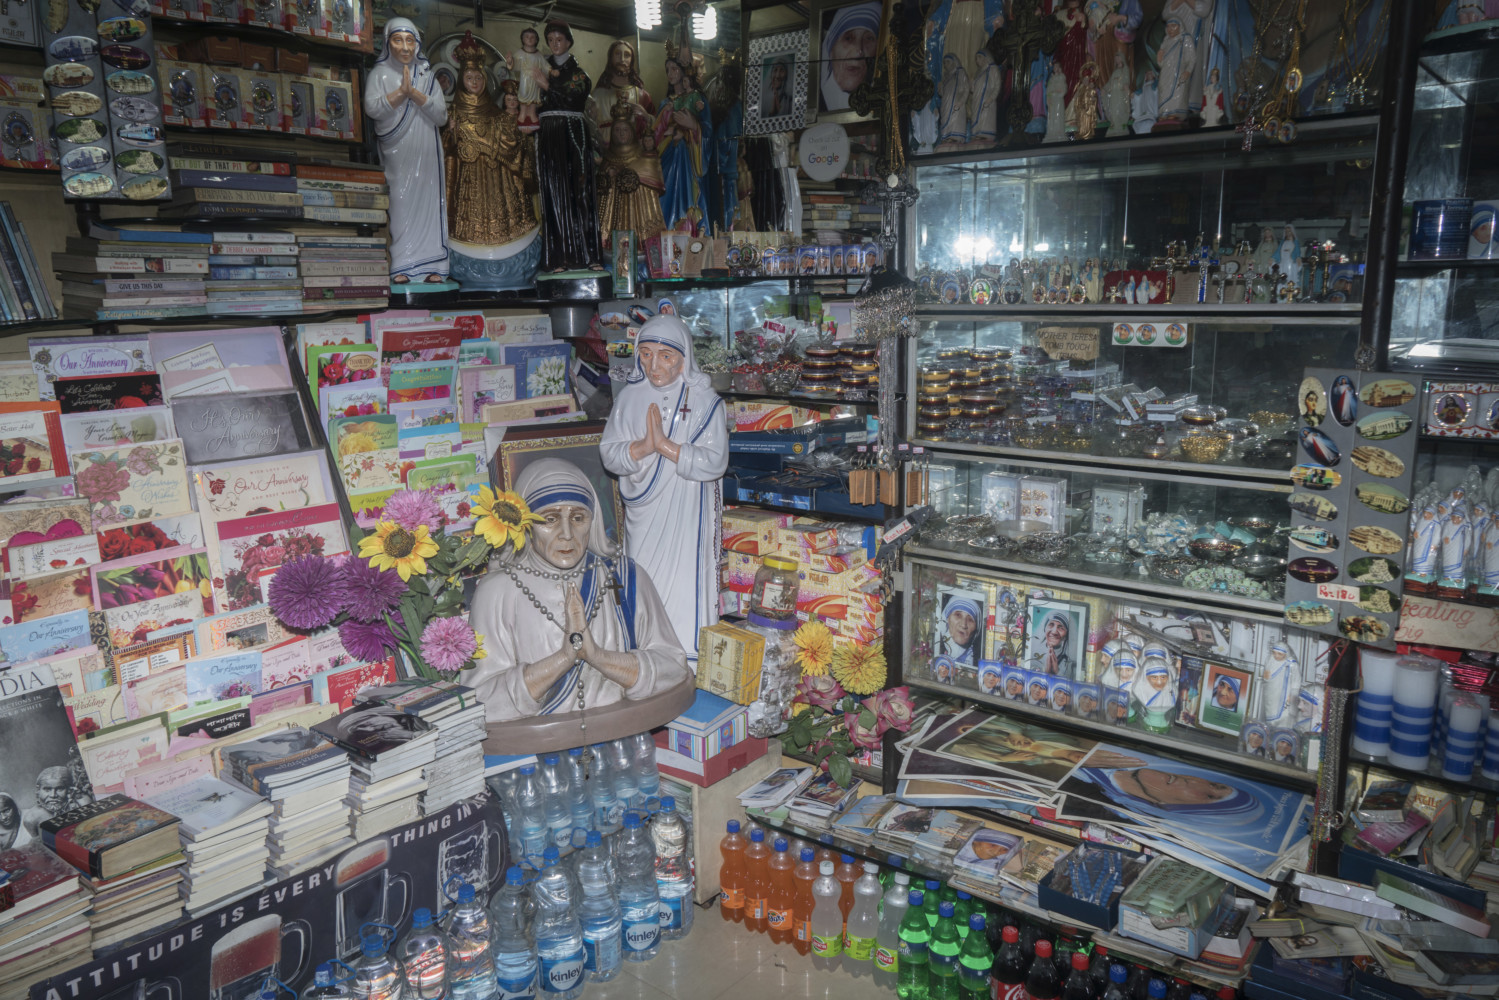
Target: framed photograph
point(577, 443)
point(1189, 690)
point(1225, 698)
point(775, 83)
point(991, 678)
point(1056, 635)
point(1014, 684)
point(847, 37)
point(1255, 740)
point(1086, 700)
point(1285, 746)
point(961, 617)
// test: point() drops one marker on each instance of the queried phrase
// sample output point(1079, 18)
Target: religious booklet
point(1324, 942)
point(1430, 903)
point(775, 788)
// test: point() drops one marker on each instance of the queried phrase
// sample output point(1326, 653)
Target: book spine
point(345, 199)
point(258, 249)
point(140, 302)
point(346, 280)
point(150, 313)
point(235, 182)
point(28, 262)
point(251, 260)
point(329, 294)
point(156, 265)
point(218, 151)
point(233, 196)
point(372, 216)
point(65, 847)
point(316, 269)
point(317, 184)
point(10, 300)
point(12, 263)
point(250, 273)
point(216, 210)
point(165, 286)
point(185, 163)
point(317, 171)
point(227, 237)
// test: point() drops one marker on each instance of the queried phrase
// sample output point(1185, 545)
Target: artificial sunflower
point(391, 546)
point(503, 518)
point(860, 669)
point(814, 648)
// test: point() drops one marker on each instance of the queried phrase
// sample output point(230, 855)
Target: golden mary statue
point(491, 179)
point(630, 182)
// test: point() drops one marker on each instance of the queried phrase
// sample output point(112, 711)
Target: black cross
point(615, 586)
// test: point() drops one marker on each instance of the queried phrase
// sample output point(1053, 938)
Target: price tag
point(1337, 592)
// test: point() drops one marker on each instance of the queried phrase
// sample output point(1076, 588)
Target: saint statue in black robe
point(564, 162)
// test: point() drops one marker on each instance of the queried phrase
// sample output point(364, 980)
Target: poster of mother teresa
point(1245, 822)
point(849, 38)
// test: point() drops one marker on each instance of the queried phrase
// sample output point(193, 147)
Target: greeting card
point(248, 360)
point(242, 629)
point(31, 444)
point(352, 399)
point(108, 758)
point(30, 523)
point(292, 696)
point(443, 472)
point(66, 357)
point(410, 383)
point(284, 663)
point(151, 575)
point(337, 364)
point(367, 450)
point(106, 429)
point(152, 656)
point(133, 623)
point(249, 547)
point(485, 384)
point(223, 428)
point(17, 382)
point(136, 483)
point(44, 637)
point(470, 324)
point(541, 369)
point(338, 687)
point(163, 692)
point(153, 536)
point(226, 675)
point(45, 596)
point(80, 670)
point(260, 485)
point(25, 562)
point(311, 335)
point(91, 711)
point(414, 344)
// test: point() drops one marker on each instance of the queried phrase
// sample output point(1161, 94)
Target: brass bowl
point(1215, 548)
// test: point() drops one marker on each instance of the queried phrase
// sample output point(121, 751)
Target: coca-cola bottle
point(1041, 982)
point(1010, 966)
point(1179, 989)
point(1080, 982)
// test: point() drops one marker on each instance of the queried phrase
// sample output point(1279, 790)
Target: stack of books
point(254, 272)
point(389, 750)
point(772, 791)
point(343, 192)
point(23, 286)
point(46, 930)
point(223, 833)
point(140, 272)
point(302, 774)
point(212, 181)
point(457, 772)
point(342, 271)
point(831, 218)
point(129, 855)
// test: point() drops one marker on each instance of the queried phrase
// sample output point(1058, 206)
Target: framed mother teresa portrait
point(1224, 702)
point(577, 443)
point(1056, 637)
point(775, 83)
point(847, 36)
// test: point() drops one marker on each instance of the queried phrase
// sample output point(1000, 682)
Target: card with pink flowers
point(252, 546)
point(152, 575)
point(132, 482)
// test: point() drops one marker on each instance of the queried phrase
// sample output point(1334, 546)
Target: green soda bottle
point(942, 963)
point(915, 935)
point(962, 911)
point(933, 900)
point(975, 961)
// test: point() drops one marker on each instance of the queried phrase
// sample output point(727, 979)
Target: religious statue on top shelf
point(527, 66)
point(571, 627)
point(1282, 680)
point(1288, 255)
point(1082, 113)
point(402, 98)
point(1074, 49)
point(620, 81)
point(1212, 101)
point(1457, 537)
point(1112, 25)
point(952, 110)
point(667, 442)
point(1023, 45)
point(1425, 543)
point(630, 184)
point(1180, 59)
point(565, 162)
point(491, 170)
point(1056, 107)
point(723, 92)
point(681, 136)
point(983, 99)
point(1265, 254)
point(1144, 105)
point(1113, 101)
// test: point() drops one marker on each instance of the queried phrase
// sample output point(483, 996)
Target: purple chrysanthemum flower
point(366, 641)
point(448, 643)
point(413, 508)
point(370, 593)
point(307, 593)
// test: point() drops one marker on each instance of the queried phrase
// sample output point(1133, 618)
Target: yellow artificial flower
point(859, 668)
point(503, 518)
point(478, 647)
point(391, 546)
point(814, 648)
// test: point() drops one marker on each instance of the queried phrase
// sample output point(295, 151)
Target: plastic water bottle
point(731, 874)
point(915, 936)
point(942, 955)
point(577, 790)
point(556, 801)
point(514, 951)
point(599, 910)
point(647, 774)
point(887, 940)
point(424, 955)
point(622, 768)
point(863, 923)
point(530, 812)
point(669, 836)
point(639, 901)
point(325, 986)
point(975, 961)
point(827, 919)
point(559, 936)
point(377, 973)
point(607, 809)
point(470, 950)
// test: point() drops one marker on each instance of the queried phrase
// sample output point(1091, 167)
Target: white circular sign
point(824, 151)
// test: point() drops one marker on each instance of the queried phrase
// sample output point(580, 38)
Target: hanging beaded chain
point(566, 576)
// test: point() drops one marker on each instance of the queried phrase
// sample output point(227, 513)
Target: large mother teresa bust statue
point(578, 647)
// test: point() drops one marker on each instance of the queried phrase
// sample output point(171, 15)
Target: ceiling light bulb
point(705, 25)
point(647, 14)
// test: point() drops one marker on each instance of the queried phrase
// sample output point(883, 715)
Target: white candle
point(1464, 725)
point(1371, 722)
point(1417, 682)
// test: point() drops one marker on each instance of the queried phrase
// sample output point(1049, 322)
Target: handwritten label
point(1070, 343)
point(1444, 623)
point(1336, 592)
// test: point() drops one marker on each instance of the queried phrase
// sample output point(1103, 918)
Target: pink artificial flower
point(892, 707)
point(820, 692)
point(858, 735)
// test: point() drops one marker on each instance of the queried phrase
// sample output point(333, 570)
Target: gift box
point(1117, 508)
point(1044, 499)
point(704, 773)
point(753, 532)
point(1103, 915)
point(751, 415)
point(1001, 496)
point(729, 662)
point(1174, 906)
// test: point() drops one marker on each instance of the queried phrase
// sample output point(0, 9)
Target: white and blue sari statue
point(567, 615)
point(673, 492)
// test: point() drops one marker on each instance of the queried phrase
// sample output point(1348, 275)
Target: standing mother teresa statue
point(668, 441)
point(578, 646)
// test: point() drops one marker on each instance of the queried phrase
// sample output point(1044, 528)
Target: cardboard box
point(729, 662)
point(807, 535)
point(752, 532)
point(1209, 904)
point(753, 415)
point(737, 571)
point(704, 773)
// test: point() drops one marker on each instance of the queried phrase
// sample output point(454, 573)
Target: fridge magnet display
point(1057, 634)
point(1225, 698)
point(1059, 693)
point(991, 678)
point(1036, 694)
point(960, 624)
point(1313, 401)
point(1086, 700)
point(1254, 740)
point(1285, 745)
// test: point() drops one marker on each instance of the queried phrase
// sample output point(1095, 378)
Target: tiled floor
point(719, 959)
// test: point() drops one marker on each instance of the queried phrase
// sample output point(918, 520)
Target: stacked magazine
point(46, 930)
point(457, 772)
point(223, 833)
point(389, 750)
point(819, 801)
point(773, 791)
point(301, 773)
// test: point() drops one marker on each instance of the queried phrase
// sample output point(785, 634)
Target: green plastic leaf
point(841, 770)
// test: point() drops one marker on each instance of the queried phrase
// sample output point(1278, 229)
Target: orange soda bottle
point(802, 877)
point(731, 875)
point(756, 881)
point(847, 873)
point(780, 902)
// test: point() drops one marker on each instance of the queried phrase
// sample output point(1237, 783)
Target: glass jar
point(770, 712)
point(773, 596)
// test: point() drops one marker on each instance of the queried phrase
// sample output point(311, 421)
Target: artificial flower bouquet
point(404, 590)
point(842, 705)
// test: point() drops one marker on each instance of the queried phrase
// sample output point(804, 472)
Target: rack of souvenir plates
point(1077, 654)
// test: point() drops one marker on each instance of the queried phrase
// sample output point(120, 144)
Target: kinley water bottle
point(607, 809)
point(559, 936)
point(470, 957)
point(599, 910)
point(639, 902)
point(325, 986)
point(673, 877)
point(514, 951)
point(424, 955)
point(530, 812)
point(377, 973)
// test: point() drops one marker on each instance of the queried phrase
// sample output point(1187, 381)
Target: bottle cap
point(528, 769)
point(466, 891)
point(1157, 989)
point(893, 860)
point(549, 857)
point(551, 760)
point(780, 845)
point(421, 917)
point(916, 898)
point(1010, 934)
point(1080, 961)
point(1043, 949)
point(733, 826)
point(1227, 993)
point(847, 859)
point(964, 895)
point(1118, 973)
point(1198, 996)
point(373, 946)
point(870, 868)
point(575, 752)
point(668, 803)
point(756, 836)
point(632, 822)
point(1099, 951)
point(593, 839)
point(932, 885)
point(901, 878)
point(945, 910)
point(808, 854)
point(826, 868)
point(515, 875)
point(324, 974)
point(976, 922)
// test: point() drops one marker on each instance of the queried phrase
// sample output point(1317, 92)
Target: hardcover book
point(111, 836)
